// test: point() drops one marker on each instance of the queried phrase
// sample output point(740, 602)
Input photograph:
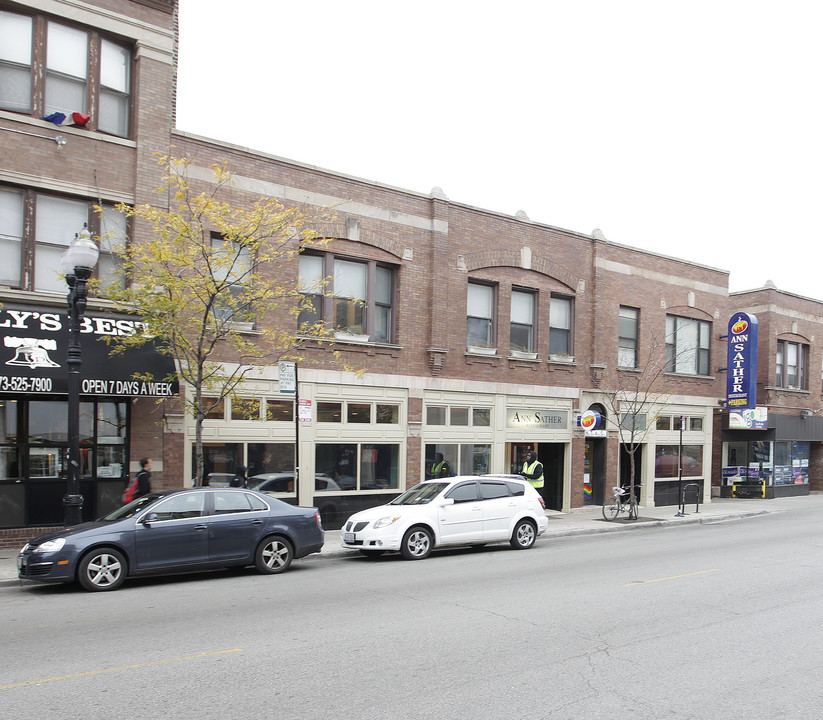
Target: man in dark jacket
point(144, 478)
point(239, 479)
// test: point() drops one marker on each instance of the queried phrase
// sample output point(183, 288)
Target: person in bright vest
point(439, 468)
point(533, 470)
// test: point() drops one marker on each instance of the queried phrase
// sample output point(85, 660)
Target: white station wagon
point(465, 510)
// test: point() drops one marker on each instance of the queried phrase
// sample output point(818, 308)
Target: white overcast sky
point(692, 129)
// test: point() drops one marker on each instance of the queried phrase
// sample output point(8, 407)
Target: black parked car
point(175, 531)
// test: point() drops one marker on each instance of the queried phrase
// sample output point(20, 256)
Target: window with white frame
point(521, 333)
point(353, 412)
point(791, 363)
point(457, 415)
point(628, 325)
point(80, 71)
point(560, 326)
point(688, 344)
point(480, 303)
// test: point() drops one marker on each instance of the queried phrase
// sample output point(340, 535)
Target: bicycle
point(621, 501)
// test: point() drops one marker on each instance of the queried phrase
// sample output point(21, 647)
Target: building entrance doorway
point(594, 471)
point(551, 456)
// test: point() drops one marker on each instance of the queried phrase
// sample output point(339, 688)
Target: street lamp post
point(77, 264)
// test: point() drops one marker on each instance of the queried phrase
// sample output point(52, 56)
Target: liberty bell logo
point(31, 352)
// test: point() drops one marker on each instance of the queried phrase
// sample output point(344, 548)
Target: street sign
point(288, 375)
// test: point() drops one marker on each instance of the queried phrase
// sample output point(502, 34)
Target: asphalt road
point(698, 621)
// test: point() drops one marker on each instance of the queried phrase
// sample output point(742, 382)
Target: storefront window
point(269, 458)
point(388, 414)
point(475, 459)
point(441, 461)
point(666, 461)
point(379, 467)
point(245, 409)
point(358, 413)
point(329, 412)
point(363, 466)
point(48, 421)
point(791, 463)
point(459, 416)
point(435, 415)
point(447, 460)
point(280, 410)
point(220, 461)
point(111, 439)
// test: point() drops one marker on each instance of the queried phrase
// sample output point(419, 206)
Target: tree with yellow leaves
point(215, 286)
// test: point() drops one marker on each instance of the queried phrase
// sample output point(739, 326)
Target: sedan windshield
point(134, 507)
point(420, 494)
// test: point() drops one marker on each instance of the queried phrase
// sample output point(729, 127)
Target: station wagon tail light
point(542, 502)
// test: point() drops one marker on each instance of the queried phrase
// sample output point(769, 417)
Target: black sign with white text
point(34, 343)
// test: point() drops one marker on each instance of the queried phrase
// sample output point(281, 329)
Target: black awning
point(34, 343)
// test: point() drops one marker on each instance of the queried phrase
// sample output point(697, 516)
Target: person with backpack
point(140, 484)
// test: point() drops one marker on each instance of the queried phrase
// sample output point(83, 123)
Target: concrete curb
point(587, 526)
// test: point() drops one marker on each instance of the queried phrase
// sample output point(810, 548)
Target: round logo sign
point(590, 419)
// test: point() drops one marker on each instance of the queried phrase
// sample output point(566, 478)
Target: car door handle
point(200, 527)
point(256, 522)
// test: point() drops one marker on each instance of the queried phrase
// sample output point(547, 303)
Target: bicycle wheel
point(610, 508)
point(633, 512)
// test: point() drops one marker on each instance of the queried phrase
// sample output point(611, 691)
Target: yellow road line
point(673, 577)
point(117, 669)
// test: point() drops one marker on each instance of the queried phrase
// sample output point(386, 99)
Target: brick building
point(481, 335)
point(778, 453)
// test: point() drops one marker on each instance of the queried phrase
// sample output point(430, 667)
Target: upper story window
point(688, 342)
point(358, 413)
point(35, 230)
point(521, 334)
point(72, 71)
point(791, 365)
point(627, 337)
point(358, 296)
point(560, 326)
point(480, 315)
point(16, 34)
point(231, 268)
point(458, 416)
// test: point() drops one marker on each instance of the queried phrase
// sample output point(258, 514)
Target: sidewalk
point(581, 521)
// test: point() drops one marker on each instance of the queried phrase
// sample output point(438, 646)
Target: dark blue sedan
point(175, 531)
